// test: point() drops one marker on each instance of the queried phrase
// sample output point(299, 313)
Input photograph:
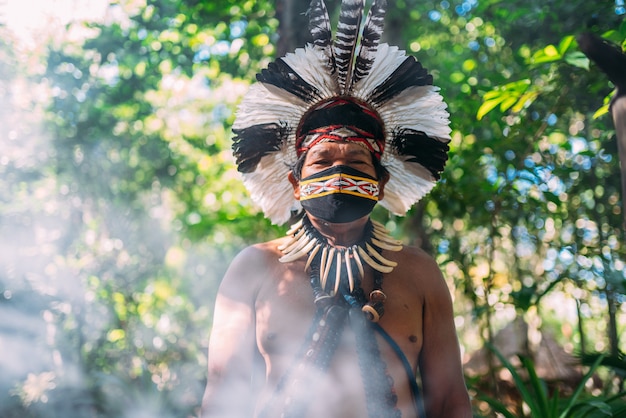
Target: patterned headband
point(341, 119)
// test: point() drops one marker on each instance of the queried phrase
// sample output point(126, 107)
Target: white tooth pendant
point(337, 272)
point(329, 262)
point(312, 255)
point(373, 264)
point(357, 259)
point(372, 251)
point(305, 241)
point(349, 269)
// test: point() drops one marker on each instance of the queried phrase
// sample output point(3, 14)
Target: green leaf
point(572, 400)
point(601, 111)
point(497, 406)
point(505, 96)
point(554, 404)
point(600, 407)
point(526, 99)
point(577, 59)
point(492, 94)
point(519, 382)
point(488, 106)
point(538, 386)
point(518, 86)
point(565, 44)
point(545, 55)
point(507, 103)
point(551, 51)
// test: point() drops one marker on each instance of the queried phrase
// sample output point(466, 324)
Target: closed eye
point(320, 162)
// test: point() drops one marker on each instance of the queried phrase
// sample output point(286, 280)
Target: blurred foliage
point(127, 208)
point(542, 401)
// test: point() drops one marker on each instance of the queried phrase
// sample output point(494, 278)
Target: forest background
point(120, 206)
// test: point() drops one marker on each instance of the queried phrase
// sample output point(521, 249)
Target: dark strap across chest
point(291, 398)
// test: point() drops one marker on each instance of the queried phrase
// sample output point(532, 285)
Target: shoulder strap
point(417, 397)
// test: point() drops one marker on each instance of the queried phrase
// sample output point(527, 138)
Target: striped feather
point(372, 32)
point(346, 39)
point(420, 108)
point(319, 26)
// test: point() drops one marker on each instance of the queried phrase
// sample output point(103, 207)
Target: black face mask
point(339, 194)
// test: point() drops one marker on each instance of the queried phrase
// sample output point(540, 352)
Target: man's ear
point(381, 185)
point(295, 184)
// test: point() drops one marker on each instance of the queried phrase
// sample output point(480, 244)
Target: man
point(337, 318)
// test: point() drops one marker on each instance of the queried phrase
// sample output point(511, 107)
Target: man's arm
point(445, 393)
point(232, 347)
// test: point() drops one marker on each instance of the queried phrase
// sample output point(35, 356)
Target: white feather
point(268, 104)
point(311, 65)
point(421, 108)
point(270, 189)
point(388, 59)
point(412, 181)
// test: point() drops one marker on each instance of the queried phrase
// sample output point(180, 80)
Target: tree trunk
point(293, 27)
point(581, 329)
point(612, 331)
point(618, 111)
point(612, 61)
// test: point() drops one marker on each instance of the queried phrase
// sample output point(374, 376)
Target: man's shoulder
point(417, 267)
point(415, 255)
point(261, 249)
point(253, 264)
point(262, 253)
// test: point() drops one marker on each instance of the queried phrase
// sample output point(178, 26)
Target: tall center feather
point(372, 32)
point(345, 41)
point(319, 24)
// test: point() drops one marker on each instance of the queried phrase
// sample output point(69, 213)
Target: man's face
point(329, 154)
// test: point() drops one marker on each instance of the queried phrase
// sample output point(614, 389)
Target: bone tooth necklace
point(306, 241)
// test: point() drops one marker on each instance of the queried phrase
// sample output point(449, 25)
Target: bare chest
point(285, 324)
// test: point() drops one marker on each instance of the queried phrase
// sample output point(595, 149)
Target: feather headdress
point(321, 85)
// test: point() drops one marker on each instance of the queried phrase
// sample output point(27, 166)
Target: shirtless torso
point(265, 308)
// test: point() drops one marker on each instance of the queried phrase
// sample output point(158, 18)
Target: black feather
point(281, 75)
point(410, 73)
point(422, 149)
point(253, 143)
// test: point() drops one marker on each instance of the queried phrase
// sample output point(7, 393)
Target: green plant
point(543, 404)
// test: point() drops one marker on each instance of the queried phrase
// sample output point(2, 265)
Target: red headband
point(341, 119)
